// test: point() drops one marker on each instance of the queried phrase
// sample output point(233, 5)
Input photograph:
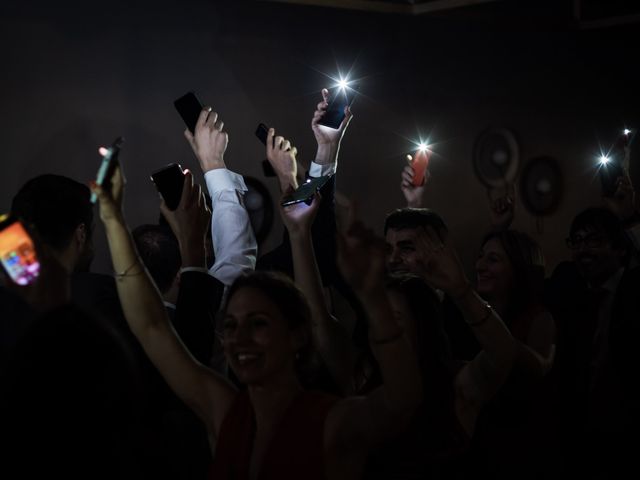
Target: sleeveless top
point(296, 450)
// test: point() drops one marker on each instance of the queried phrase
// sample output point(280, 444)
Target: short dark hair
point(160, 253)
point(528, 263)
point(407, 218)
point(601, 220)
point(55, 205)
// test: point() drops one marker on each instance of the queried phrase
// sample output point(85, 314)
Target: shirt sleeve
point(316, 170)
point(234, 242)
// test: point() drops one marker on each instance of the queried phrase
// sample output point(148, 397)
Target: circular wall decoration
point(496, 157)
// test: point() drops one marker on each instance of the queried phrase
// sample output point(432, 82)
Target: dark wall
point(75, 76)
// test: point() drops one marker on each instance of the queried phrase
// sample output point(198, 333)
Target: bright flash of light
point(343, 83)
point(423, 147)
point(604, 159)
point(103, 151)
point(626, 131)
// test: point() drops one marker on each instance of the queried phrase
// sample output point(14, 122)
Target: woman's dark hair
point(528, 264)
point(432, 343)
point(281, 290)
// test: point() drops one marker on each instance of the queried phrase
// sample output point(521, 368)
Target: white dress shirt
point(234, 243)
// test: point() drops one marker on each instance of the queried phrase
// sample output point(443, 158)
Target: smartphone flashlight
point(423, 147)
point(342, 84)
point(604, 160)
point(626, 131)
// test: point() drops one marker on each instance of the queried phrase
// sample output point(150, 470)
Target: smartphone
point(17, 251)
point(261, 132)
point(306, 191)
point(341, 98)
point(169, 181)
point(419, 165)
point(609, 173)
point(189, 108)
point(108, 165)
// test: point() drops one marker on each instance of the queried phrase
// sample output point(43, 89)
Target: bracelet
point(391, 339)
point(125, 273)
point(489, 312)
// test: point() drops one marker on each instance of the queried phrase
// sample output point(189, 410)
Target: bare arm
point(207, 393)
point(368, 420)
point(536, 356)
point(330, 338)
point(479, 380)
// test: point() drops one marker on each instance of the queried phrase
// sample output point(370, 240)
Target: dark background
point(77, 74)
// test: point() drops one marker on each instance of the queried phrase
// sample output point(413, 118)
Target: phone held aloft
point(169, 182)
point(108, 165)
point(306, 191)
point(342, 98)
point(262, 131)
point(17, 251)
point(189, 108)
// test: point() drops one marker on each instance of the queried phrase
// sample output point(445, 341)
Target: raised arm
point(207, 393)
point(360, 422)
point(199, 294)
point(234, 242)
point(479, 380)
point(330, 338)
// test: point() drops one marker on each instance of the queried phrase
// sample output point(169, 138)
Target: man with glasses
point(596, 298)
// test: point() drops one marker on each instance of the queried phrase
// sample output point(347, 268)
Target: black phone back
point(334, 115)
point(169, 181)
point(189, 108)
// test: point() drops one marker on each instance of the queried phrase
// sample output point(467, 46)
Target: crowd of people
point(339, 354)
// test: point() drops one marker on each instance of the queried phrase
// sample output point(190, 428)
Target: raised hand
point(623, 202)
point(189, 222)
point(282, 157)
point(412, 194)
point(442, 266)
point(361, 258)
point(208, 141)
point(328, 138)
point(502, 206)
point(299, 217)
point(110, 195)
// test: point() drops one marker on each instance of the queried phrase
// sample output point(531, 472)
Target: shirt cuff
point(316, 170)
point(194, 269)
point(221, 179)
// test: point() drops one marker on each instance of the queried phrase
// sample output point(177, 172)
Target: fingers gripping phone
point(189, 108)
point(342, 98)
point(17, 251)
point(108, 165)
point(306, 191)
point(169, 181)
point(262, 132)
point(419, 164)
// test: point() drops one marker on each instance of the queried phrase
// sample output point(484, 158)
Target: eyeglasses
point(588, 241)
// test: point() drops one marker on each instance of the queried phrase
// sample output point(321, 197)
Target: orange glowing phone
point(419, 164)
point(17, 251)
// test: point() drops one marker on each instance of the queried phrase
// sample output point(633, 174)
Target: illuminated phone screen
point(18, 254)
